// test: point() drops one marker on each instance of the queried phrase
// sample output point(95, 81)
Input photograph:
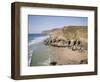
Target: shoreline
point(50, 55)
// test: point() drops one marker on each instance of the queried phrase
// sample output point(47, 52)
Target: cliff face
point(69, 32)
point(75, 32)
point(68, 36)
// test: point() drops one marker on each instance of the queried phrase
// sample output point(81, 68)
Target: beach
point(46, 55)
point(65, 56)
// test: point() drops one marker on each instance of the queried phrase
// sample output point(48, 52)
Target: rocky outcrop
point(68, 36)
point(73, 44)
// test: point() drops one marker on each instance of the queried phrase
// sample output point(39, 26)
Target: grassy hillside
point(69, 32)
point(75, 32)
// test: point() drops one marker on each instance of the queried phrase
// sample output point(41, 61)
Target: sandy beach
point(45, 55)
point(64, 56)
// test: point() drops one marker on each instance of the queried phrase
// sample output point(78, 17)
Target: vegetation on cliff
point(68, 32)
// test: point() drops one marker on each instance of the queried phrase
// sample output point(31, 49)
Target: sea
point(38, 53)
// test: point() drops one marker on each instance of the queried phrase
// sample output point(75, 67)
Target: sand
point(64, 56)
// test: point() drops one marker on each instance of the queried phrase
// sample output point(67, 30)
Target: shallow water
point(40, 55)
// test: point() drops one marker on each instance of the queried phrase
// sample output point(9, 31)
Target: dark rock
point(79, 42)
point(53, 63)
point(73, 44)
point(84, 61)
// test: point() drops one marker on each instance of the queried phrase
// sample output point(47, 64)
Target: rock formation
point(68, 36)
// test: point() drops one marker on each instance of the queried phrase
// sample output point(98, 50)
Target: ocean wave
point(33, 48)
point(38, 39)
point(45, 62)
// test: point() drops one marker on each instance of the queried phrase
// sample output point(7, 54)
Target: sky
point(39, 23)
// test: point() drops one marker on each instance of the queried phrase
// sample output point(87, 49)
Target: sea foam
point(31, 48)
point(38, 39)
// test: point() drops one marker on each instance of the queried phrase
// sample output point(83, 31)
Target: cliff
point(68, 36)
point(68, 32)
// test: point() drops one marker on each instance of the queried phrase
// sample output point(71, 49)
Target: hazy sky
point(37, 24)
